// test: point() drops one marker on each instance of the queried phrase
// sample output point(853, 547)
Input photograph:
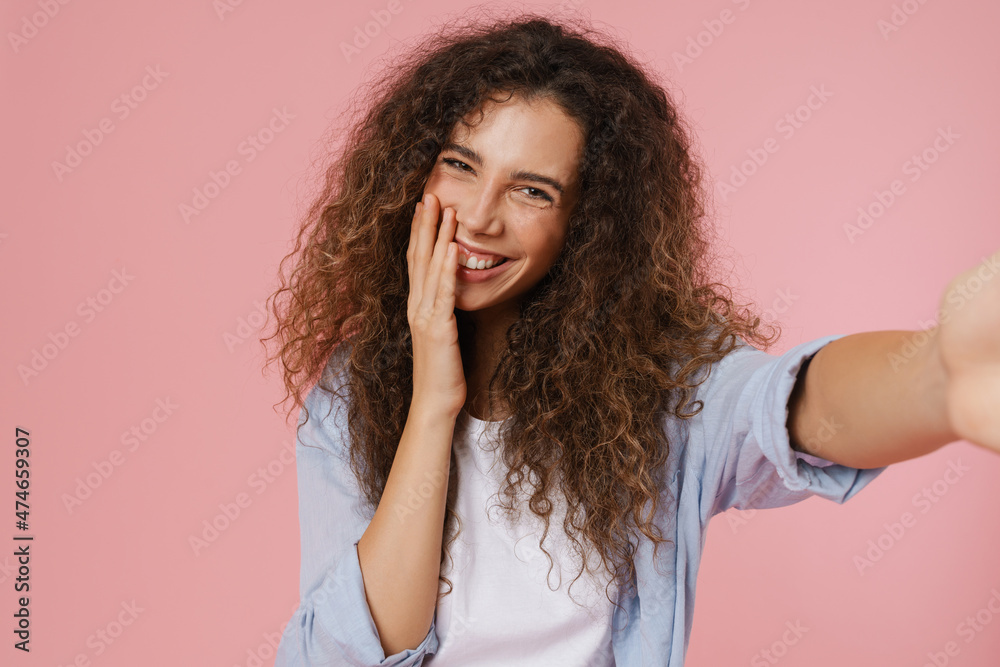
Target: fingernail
point(426, 199)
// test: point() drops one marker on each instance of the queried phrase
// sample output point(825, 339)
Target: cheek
point(545, 247)
point(553, 241)
point(433, 182)
point(438, 182)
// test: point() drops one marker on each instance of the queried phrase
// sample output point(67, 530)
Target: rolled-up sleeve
point(742, 434)
point(333, 624)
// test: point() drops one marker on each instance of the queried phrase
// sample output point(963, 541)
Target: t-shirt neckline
point(480, 422)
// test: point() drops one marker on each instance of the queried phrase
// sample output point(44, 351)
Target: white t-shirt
point(501, 611)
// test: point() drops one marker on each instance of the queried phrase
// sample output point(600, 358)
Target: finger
point(411, 247)
point(446, 291)
point(414, 227)
point(427, 226)
point(422, 244)
point(437, 265)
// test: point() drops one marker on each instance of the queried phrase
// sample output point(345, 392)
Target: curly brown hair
point(610, 340)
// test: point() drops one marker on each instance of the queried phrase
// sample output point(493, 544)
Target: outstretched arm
point(880, 397)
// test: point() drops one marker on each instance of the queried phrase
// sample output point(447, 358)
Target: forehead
point(517, 134)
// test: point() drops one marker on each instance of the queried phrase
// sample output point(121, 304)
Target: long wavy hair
point(609, 341)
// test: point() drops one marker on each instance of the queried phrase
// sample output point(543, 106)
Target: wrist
point(433, 411)
point(934, 383)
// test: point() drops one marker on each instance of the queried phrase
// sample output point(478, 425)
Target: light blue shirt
point(734, 453)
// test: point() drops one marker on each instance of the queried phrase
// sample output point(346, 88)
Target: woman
point(554, 344)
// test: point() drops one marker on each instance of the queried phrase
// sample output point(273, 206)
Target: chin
point(469, 303)
point(470, 306)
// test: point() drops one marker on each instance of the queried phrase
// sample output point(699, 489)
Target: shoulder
point(323, 416)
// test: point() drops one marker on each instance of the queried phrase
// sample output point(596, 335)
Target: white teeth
point(473, 263)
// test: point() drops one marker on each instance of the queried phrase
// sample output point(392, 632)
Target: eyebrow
point(521, 175)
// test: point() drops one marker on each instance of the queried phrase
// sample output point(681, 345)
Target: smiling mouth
point(473, 264)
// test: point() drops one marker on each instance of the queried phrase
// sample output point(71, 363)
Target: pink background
point(168, 333)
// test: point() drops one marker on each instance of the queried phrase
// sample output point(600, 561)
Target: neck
point(480, 358)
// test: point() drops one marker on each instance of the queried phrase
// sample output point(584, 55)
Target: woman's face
point(512, 181)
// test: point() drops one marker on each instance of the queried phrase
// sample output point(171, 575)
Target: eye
point(458, 164)
point(543, 195)
point(539, 194)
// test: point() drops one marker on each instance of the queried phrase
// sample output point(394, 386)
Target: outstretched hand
point(968, 340)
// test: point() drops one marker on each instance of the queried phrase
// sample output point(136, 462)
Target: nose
point(479, 213)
